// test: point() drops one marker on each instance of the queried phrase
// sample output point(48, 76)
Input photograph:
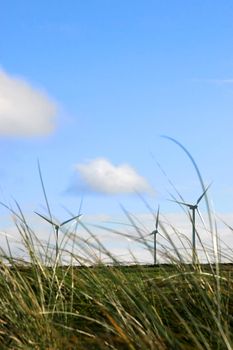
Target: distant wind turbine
point(154, 233)
point(194, 208)
point(58, 226)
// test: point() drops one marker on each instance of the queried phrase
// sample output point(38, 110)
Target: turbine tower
point(154, 233)
point(58, 226)
point(194, 208)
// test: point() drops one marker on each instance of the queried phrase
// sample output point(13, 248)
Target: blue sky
point(88, 87)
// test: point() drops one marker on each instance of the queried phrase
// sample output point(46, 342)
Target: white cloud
point(99, 175)
point(24, 110)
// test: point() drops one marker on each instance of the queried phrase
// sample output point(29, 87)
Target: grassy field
point(104, 307)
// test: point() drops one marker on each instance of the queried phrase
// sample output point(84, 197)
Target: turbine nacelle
point(153, 233)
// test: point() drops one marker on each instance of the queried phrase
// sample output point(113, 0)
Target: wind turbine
point(194, 208)
point(154, 233)
point(58, 226)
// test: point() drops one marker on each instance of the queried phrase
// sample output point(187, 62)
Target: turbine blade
point(75, 217)
point(148, 235)
point(200, 198)
point(157, 219)
point(182, 203)
point(45, 218)
point(139, 239)
point(202, 220)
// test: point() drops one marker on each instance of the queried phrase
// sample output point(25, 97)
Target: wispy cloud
point(24, 110)
point(101, 176)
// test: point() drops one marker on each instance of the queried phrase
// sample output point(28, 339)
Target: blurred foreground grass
point(176, 306)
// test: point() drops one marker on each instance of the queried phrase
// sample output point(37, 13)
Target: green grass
point(172, 306)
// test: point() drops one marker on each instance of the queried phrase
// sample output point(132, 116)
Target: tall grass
point(89, 305)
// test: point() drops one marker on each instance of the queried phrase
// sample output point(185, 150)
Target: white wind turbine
point(58, 226)
point(194, 208)
point(154, 233)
